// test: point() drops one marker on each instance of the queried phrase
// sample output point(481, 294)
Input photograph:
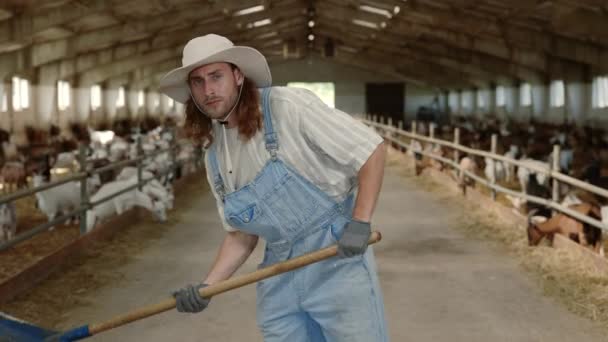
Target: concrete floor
point(438, 286)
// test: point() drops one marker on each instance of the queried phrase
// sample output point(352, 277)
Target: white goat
point(118, 150)
point(415, 146)
point(523, 173)
point(65, 160)
point(499, 170)
point(58, 200)
point(152, 188)
point(121, 203)
point(510, 168)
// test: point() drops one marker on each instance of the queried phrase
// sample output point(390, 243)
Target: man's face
point(215, 87)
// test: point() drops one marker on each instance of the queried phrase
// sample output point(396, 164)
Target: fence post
point(456, 152)
point(173, 155)
point(432, 130)
point(494, 161)
point(555, 168)
point(414, 128)
point(400, 127)
point(390, 122)
point(457, 142)
point(140, 168)
point(84, 197)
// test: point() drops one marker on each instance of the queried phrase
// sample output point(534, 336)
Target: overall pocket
point(249, 215)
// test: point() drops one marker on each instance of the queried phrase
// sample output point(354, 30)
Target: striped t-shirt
point(324, 145)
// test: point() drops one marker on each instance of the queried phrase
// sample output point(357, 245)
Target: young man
point(285, 167)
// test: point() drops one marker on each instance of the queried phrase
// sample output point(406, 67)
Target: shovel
point(13, 330)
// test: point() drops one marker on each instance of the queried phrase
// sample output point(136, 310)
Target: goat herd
point(49, 156)
point(583, 155)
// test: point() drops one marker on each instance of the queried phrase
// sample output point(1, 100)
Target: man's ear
point(240, 78)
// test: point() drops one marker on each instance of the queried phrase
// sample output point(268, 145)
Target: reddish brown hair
point(249, 118)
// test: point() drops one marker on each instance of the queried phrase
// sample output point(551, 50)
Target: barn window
point(120, 100)
point(4, 107)
point(557, 93)
point(21, 95)
point(140, 99)
point(525, 94)
point(481, 100)
point(500, 96)
point(600, 92)
point(466, 99)
point(324, 90)
point(63, 95)
point(95, 97)
point(453, 100)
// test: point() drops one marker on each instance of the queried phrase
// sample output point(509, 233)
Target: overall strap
point(270, 136)
point(218, 183)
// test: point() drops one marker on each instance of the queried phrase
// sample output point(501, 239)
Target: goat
point(523, 173)
point(587, 235)
point(13, 174)
point(122, 202)
point(499, 172)
point(466, 164)
point(58, 200)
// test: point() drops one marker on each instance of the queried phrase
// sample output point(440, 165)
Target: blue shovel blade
point(14, 330)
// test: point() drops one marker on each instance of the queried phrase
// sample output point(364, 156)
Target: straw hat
point(209, 49)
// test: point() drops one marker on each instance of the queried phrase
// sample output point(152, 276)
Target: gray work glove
point(354, 239)
point(189, 300)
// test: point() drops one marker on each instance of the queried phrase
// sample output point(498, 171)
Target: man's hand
point(354, 239)
point(189, 300)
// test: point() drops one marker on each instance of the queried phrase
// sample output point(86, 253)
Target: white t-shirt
point(324, 145)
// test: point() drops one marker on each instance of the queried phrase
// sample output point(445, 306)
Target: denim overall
point(332, 300)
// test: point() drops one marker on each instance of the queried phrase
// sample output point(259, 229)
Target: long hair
point(249, 118)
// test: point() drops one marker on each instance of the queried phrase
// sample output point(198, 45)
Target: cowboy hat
point(212, 48)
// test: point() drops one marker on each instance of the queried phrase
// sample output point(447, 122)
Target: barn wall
point(577, 103)
point(349, 81)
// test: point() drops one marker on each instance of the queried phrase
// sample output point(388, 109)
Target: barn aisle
point(438, 285)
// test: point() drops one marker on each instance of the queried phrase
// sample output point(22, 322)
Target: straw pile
point(21, 256)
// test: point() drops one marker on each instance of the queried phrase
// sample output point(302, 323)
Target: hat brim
point(249, 60)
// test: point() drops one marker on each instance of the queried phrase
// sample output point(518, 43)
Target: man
point(285, 167)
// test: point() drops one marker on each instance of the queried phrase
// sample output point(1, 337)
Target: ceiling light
point(365, 24)
point(248, 10)
point(375, 10)
point(311, 37)
point(259, 23)
point(311, 23)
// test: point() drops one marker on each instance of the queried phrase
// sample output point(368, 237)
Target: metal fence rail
point(82, 176)
point(389, 131)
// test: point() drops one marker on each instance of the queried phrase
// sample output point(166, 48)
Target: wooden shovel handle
point(226, 285)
